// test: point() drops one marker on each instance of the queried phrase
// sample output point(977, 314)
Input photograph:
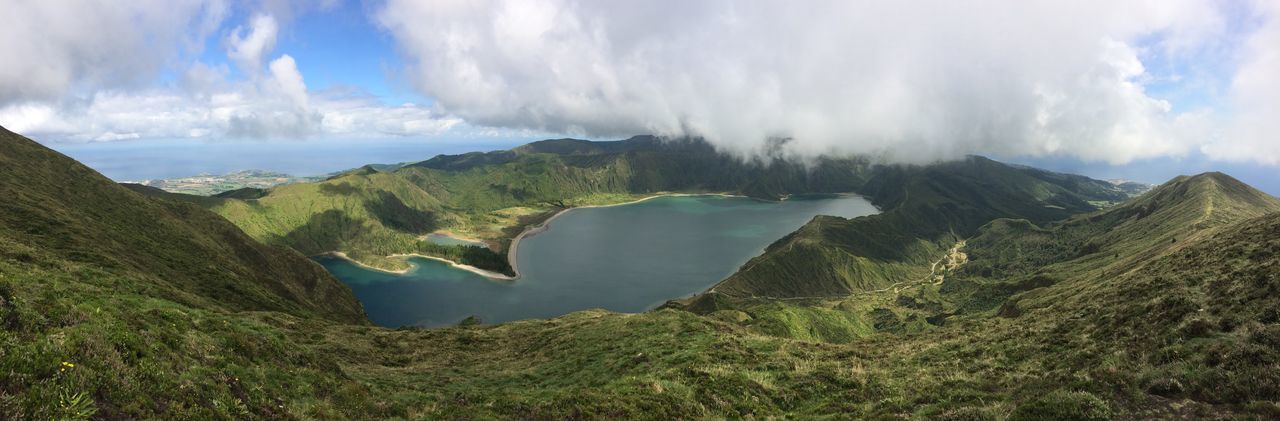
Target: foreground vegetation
point(1161, 307)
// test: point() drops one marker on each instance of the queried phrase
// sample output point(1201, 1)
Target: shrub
point(1267, 335)
point(1197, 328)
point(1063, 405)
point(968, 413)
point(1166, 387)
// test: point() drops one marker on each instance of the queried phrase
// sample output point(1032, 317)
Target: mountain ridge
point(925, 211)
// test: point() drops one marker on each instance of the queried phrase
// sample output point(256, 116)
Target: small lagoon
point(627, 258)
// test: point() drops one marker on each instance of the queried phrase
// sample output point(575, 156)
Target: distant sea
point(156, 159)
point(1159, 170)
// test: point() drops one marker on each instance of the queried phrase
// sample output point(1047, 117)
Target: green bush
point(1064, 405)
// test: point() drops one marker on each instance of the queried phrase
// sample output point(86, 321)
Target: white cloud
point(241, 113)
point(1253, 126)
point(86, 87)
point(914, 81)
point(248, 46)
point(52, 47)
point(356, 115)
point(284, 72)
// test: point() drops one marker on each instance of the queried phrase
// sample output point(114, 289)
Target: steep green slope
point(57, 205)
point(117, 305)
point(1175, 212)
point(1170, 297)
point(242, 193)
point(926, 211)
point(369, 215)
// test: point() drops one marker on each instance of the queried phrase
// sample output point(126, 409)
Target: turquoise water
point(627, 258)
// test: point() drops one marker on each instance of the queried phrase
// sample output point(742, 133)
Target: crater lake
point(625, 258)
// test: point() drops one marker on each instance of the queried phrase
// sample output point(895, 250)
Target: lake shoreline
point(452, 264)
point(624, 260)
point(482, 272)
point(513, 249)
point(344, 256)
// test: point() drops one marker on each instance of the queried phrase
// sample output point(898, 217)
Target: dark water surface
point(627, 258)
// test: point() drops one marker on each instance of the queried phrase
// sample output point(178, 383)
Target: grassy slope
point(53, 203)
point(117, 304)
point(1136, 344)
point(1103, 243)
point(926, 211)
point(1169, 298)
point(1133, 345)
point(367, 214)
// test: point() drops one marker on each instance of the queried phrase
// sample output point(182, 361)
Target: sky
point(1138, 89)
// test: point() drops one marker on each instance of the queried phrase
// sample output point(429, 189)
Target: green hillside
point(116, 305)
point(1171, 215)
point(119, 305)
point(926, 211)
point(57, 206)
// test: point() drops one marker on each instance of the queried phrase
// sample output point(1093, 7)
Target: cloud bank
point(1253, 129)
point(88, 73)
point(907, 81)
point(52, 47)
point(910, 81)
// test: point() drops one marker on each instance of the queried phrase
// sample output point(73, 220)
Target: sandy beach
point(468, 268)
point(344, 256)
point(485, 273)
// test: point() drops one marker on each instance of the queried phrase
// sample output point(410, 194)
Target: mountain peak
point(1202, 200)
point(1220, 187)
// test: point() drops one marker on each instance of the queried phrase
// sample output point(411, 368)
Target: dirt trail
point(952, 260)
